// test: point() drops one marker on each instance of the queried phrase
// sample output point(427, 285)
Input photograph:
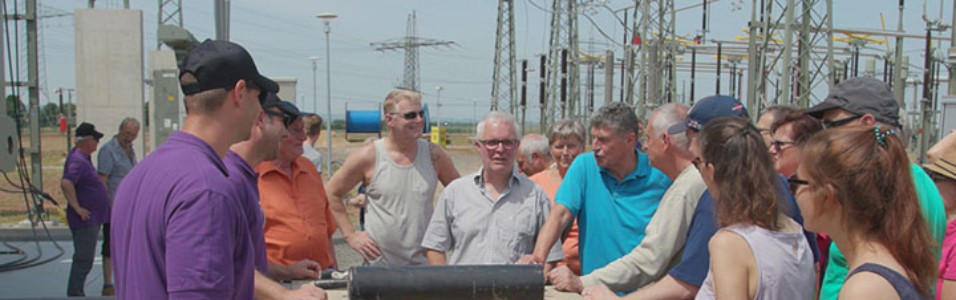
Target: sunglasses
point(837, 123)
point(778, 145)
point(797, 181)
point(494, 143)
point(411, 115)
point(286, 118)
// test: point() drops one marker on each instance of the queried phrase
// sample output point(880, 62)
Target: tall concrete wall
point(287, 89)
point(109, 69)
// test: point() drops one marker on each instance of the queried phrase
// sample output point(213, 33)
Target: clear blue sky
point(282, 34)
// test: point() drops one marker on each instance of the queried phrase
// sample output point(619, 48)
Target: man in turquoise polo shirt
point(863, 101)
point(612, 192)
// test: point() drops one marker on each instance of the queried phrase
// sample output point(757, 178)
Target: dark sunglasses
point(797, 181)
point(411, 115)
point(777, 145)
point(286, 118)
point(837, 123)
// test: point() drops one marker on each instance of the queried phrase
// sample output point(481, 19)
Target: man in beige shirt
point(667, 231)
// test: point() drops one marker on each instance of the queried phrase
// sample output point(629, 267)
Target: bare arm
point(435, 257)
point(347, 177)
point(666, 288)
point(303, 269)
point(731, 265)
point(949, 289)
point(444, 166)
point(265, 288)
point(550, 233)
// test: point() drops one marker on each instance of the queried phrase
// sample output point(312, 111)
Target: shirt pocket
point(516, 238)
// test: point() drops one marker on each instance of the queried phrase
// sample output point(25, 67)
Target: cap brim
point(267, 85)
point(818, 110)
point(97, 135)
point(935, 167)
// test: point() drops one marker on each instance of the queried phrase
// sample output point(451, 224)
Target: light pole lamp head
point(326, 17)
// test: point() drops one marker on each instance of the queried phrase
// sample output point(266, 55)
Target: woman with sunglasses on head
point(759, 252)
point(855, 184)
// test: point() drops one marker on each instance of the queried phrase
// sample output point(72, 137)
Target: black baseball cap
point(710, 108)
point(220, 64)
point(87, 129)
point(861, 95)
point(273, 100)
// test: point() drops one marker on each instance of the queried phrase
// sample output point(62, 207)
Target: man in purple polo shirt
point(89, 205)
point(263, 145)
point(180, 230)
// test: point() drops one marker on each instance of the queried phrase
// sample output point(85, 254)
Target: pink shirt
point(947, 265)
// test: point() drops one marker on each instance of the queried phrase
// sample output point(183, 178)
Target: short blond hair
point(313, 124)
point(398, 95)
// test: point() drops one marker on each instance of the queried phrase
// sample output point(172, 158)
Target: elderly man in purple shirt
point(88, 205)
point(180, 230)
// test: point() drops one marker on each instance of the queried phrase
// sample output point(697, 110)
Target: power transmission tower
point(656, 43)
point(410, 43)
point(504, 86)
point(807, 31)
point(563, 75)
point(170, 13)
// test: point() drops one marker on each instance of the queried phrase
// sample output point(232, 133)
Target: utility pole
point(33, 92)
point(503, 85)
point(410, 43)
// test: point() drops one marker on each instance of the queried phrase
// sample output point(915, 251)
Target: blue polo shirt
point(611, 214)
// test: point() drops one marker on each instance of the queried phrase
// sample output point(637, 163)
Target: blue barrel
point(363, 121)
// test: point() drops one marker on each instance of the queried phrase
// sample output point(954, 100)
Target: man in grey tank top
point(401, 172)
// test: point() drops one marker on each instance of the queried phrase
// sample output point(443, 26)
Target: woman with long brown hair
point(758, 252)
point(855, 184)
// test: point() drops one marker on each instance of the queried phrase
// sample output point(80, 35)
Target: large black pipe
point(447, 282)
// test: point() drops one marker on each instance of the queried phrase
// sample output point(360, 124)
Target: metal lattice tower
point(171, 13)
point(654, 22)
point(410, 43)
point(807, 33)
point(504, 87)
point(562, 73)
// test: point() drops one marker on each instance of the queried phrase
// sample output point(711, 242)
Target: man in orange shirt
point(299, 223)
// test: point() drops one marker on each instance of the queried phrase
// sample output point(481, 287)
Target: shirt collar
point(642, 169)
point(202, 146)
point(480, 180)
point(242, 163)
point(266, 167)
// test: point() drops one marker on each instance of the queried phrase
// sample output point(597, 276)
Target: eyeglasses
point(494, 143)
point(778, 145)
point(411, 115)
point(797, 181)
point(827, 124)
point(286, 118)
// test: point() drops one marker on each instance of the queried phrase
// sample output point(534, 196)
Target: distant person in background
point(400, 172)
point(89, 205)
point(115, 159)
point(491, 216)
point(567, 141)
point(941, 167)
point(299, 223)
point(855, 184)
point(788, 134)
point(534, 154)
point(770, 115)
point(313, 128)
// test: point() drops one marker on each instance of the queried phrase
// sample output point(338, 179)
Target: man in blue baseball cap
point(178, 230)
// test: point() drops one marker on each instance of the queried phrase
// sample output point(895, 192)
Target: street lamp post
point(438, 105)
point(326, 18)
point(315, 93)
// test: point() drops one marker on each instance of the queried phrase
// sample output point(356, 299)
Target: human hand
point(306, 292)
point(364, 245)
point(529, 259)
point(82, 213)
point(598, 292)
point(358, 201)
point(565, 280)
point(304, 269)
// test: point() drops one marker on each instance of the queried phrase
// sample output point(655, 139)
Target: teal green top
point(933, 211)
